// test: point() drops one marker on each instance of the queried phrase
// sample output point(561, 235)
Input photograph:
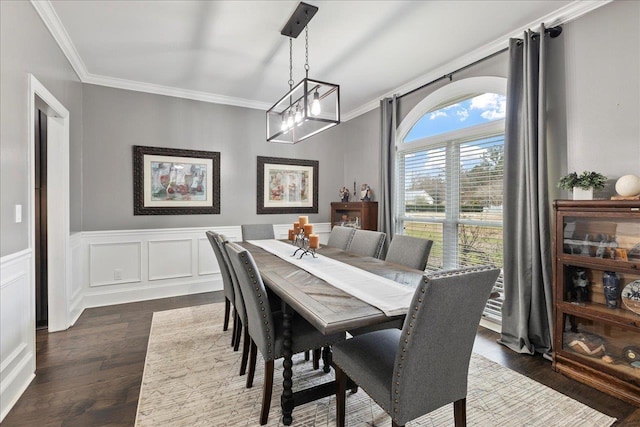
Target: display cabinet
point(597, 295)
point(362, 215)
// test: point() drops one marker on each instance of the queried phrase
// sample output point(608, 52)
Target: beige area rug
point(191, 379)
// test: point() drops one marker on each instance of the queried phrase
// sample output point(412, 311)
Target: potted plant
point(582, 186)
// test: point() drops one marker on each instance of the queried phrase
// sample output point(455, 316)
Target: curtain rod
point(553, 32)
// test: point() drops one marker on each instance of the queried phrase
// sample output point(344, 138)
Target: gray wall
point(26, 46)
point(115, 120)
point(594, 108)
point(600, 81)
point(361, 154)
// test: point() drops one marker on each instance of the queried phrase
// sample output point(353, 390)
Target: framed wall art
point(287, 186)
point(169, 181)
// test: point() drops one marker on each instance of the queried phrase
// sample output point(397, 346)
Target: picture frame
point(287, 186)
point(171, 181)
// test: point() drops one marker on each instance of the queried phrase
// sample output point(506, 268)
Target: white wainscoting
point(17, 328)
point(107, 267)
point(133, 265)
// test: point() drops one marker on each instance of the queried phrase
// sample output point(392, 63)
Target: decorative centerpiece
point(582, 186)
point(302, 236)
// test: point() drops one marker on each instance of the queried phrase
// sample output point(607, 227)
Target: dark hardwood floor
point(90, 375)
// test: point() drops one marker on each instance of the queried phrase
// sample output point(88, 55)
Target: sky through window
point(472, 111)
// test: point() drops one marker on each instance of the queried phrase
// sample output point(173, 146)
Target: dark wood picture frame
point(307, 169)
point(205, 188)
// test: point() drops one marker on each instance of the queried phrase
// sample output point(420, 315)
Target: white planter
point(580, 194)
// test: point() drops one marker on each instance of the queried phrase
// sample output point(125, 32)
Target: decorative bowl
point(631, 296)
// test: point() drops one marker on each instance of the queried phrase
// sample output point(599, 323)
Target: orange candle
point(314, 241)
point(308, 229)
point(303, 220)
point(290, 234)
point(296, 228)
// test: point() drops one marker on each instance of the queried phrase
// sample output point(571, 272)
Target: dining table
point(326, 307)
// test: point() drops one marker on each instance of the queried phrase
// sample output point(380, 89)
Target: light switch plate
point(18, 213)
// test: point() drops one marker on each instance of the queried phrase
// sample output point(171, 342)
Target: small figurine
point(580, 283)
point(344, 194)
point(365, 193)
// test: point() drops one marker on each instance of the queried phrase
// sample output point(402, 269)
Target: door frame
point(58, 219)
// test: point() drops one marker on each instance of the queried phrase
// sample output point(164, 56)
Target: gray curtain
point(386, 199)
point(527, 310)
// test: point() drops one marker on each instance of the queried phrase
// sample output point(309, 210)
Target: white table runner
point(389, 296)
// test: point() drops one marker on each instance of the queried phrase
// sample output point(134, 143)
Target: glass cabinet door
point(604, 346)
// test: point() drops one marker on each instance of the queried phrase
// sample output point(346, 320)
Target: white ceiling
point(232, 52)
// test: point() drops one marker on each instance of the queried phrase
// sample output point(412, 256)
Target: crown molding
point(54, 25)
point(173, 91)
point(563, 15)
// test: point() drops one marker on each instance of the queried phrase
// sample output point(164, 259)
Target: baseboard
point(15, 383)
point(123, 296)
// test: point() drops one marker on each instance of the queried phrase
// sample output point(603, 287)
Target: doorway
point(40, 220)
point(56, 220)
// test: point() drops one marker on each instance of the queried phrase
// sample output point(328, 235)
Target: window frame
point(449, 140)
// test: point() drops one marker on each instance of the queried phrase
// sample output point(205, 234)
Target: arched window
point(450, 166)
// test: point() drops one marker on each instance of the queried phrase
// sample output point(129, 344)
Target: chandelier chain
point(306, 49)
point(290, 63)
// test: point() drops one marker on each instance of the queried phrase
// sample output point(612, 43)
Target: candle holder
point(302, 242)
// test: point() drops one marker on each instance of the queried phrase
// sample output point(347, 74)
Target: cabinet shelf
point(594, 311)
point(631, 267)
point(592, 341)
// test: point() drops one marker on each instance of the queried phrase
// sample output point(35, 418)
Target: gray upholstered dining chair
point(340, 237)
point(424, 366)
point(367, 243)
point(257, 232)
point(227, 285)
point(265, 326)
point(409, 251)
point(240, 319)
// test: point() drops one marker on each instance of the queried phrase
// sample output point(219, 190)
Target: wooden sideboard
point(362, 215)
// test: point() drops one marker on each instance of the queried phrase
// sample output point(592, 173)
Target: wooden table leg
point(286, 400)
point(327, 359)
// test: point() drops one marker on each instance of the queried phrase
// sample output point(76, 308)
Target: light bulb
point(315, 105)
point(284, 126)
point(298, 115)
point(290, 120)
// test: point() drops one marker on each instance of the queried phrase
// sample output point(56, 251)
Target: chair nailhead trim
point(404, 348)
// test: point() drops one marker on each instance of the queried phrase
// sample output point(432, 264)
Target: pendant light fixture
point(309, 107)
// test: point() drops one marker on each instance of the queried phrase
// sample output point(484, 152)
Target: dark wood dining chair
point(265, 326)
point(257, 232)
point(340, 237)
point(424, 366)
point(409, 251)
point(367, 243)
